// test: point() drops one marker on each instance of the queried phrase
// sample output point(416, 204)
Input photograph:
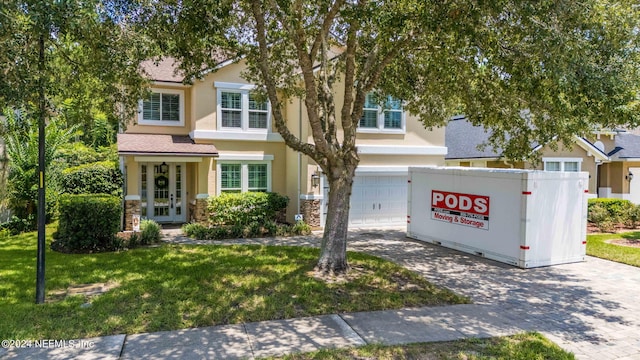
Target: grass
point(173, 287)
point(528, 346)
point(597, 246)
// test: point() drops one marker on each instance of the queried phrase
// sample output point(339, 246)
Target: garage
point(376, 200)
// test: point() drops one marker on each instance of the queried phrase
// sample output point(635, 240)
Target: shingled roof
point(462, 139)
point(627, 146)
point(159, 144)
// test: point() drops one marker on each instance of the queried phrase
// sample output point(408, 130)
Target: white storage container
point(524, 218)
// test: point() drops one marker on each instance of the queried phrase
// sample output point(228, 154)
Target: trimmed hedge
point(202, 232)
point(615, 207)
point(246, 208)
point(88, 223)
point(95, 178)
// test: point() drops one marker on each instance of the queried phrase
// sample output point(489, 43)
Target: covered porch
point(166, 177)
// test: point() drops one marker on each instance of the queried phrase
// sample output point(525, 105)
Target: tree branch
point(270, 83)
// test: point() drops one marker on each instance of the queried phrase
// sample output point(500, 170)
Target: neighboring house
point(620, 178)
point(462, 140)
point(193, 142)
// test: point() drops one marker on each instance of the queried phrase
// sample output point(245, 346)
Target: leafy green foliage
point(246, 208)
point(78, 153)
point(95, 178)
point(20, 134)
point(600, 216)
point(220, 232)
point(149, 232)
point(88, 223)
point(615, 207)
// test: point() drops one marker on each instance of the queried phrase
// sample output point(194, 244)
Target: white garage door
point(378, 200)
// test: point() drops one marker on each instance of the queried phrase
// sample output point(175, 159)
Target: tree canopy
point(539, 71)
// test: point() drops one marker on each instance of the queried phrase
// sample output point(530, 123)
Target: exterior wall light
point(629, 176)
point(315, 179)
point(164, 167)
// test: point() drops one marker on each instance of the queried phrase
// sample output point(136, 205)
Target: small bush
point(195, 230)
point(149, 232)
point(631, 216)
point(94, 178)
point(88, 223)
point(615, 207)
point(246, 208)
point(301, 228)
point(17, 225)
point(601, 218)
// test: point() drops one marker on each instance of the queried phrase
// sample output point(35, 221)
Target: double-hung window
point(162, 107)
point(243, 176)
point(240, 109)
point(389, 117)
point(562, 164)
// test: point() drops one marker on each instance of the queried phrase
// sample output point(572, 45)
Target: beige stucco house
point(462, 140)
point(192, 142)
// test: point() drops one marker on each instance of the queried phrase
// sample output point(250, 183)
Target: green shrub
point(615, 207)
point(631, 216)
point(246, 208)
point(195, 230)
point(17, 225)
point(149, 232)
point(94, 178)
point(301, 228)
point(601, 218)
point(88, 223)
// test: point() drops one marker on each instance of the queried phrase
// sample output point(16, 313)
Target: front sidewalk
point(281, 337)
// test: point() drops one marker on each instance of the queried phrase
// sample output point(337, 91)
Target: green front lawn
point(174, 287)
point(530, 346)
point(597, 246)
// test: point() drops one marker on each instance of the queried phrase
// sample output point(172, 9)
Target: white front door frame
point(165, 194)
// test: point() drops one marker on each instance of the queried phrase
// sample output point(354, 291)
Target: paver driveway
point(590, 308)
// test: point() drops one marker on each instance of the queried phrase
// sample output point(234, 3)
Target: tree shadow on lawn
point(572, 299)
point(176, 287)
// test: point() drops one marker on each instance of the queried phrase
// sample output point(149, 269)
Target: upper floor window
point(562, 164)
point(386, 118)
point(162, 107)
point(240, 109)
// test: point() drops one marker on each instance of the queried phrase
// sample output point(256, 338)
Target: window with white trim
point(387, 118)
point(244, 176)
point(562, 164)
point(240, 109)
point(162, 107)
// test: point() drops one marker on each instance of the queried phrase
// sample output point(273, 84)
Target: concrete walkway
point(591, 309)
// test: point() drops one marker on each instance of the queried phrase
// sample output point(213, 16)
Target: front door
point(163, 192)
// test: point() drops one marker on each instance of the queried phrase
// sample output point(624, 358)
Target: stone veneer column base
point(200, 211)
point(310, 210)
point(131, 207)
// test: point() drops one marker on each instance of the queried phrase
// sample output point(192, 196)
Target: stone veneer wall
point(131, 207)
point(310, 210)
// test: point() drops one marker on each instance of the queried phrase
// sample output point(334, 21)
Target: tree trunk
point(333, 252)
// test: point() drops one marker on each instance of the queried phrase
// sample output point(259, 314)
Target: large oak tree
point(529, 71)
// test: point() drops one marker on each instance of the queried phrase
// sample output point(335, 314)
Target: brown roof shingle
point(158, 144)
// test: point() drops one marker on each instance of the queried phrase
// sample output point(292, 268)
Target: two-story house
point(192, 142)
